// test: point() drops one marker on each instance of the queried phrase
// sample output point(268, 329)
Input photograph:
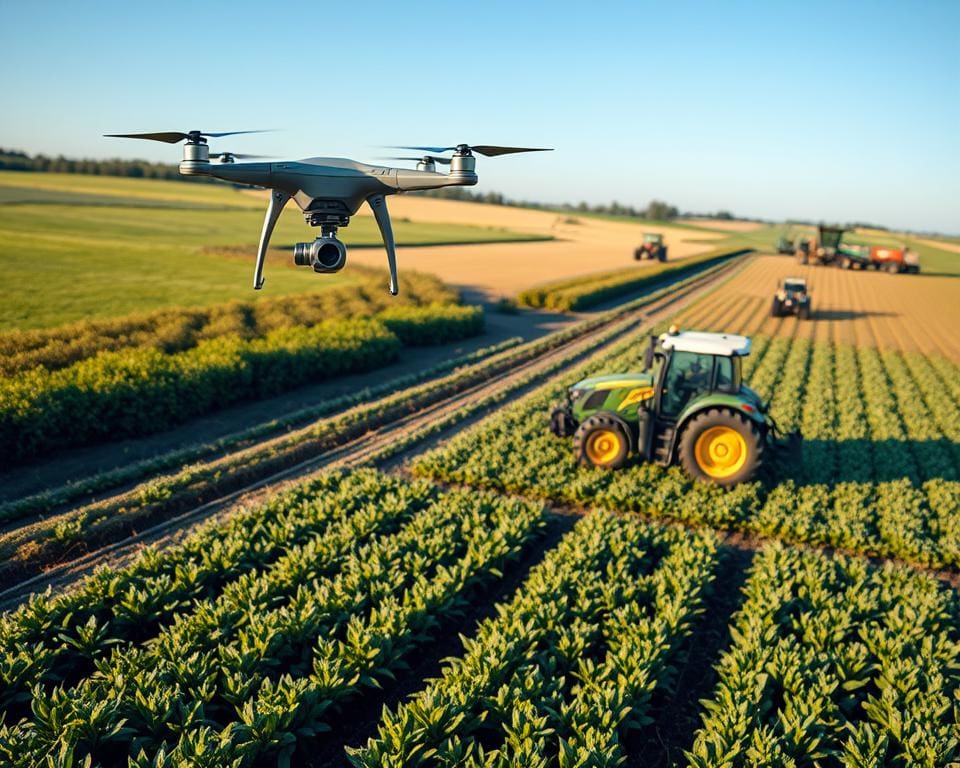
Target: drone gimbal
point(329, 190)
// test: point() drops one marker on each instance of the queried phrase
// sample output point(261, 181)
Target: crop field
point(911, 313)
point(493, 604)
point(75, 247)
point(581, 245)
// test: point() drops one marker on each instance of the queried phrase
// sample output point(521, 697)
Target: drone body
point(329, 190)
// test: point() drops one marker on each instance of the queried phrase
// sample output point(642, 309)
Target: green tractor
point(688, 405)
point(652, 247)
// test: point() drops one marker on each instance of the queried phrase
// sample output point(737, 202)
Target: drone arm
point(378, 204)
point(278, 199)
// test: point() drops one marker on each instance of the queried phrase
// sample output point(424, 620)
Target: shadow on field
point(848, 314)
point(676, 709)
point(861, 460)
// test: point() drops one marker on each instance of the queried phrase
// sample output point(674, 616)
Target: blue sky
point(833, 110)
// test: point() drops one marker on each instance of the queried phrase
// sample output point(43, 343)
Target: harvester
point(652, 247)
point(689, 406)
point(821, 248)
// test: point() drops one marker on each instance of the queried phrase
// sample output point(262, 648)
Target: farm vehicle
point(792, 297)
point(821, 248)
point(652, 247)
point(884, 258)
point(827, 247)
point(689, 406)
point(786, 245)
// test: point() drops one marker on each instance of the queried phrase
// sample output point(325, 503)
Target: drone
point(329, 190)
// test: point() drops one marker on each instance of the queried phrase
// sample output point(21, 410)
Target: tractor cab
point(688, 405)
point(793, 287)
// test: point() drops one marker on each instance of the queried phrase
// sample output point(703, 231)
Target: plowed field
point(905, 312)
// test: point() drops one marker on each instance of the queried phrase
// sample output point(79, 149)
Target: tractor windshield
point(794, 286)
point(688, 375)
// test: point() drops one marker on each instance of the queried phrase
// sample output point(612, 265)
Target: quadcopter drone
point(329, 190)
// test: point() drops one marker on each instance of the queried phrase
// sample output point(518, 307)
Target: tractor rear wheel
point(721, 447)
point(600, 441)
point(777, 309)
point(804, 312)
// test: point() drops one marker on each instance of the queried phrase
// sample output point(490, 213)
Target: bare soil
point(912, 313)
point(583, 245)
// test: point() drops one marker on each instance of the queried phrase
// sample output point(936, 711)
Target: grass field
point(81, 247)
point(793, 620)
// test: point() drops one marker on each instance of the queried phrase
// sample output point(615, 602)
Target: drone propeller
point(488, 150)
point(172, 137)
point(422, 158)
point(238, 156)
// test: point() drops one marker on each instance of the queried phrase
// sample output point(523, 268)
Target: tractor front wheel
point(721, 447)
point(600, 441)
point(804, 311)
point(777, 309)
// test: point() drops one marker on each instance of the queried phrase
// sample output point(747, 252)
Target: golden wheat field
point(905, 312)
point(582, 245)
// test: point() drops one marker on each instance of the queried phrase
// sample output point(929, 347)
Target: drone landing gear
point(278, 199)
point(378, 204)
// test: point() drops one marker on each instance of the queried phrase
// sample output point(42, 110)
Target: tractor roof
point(795, 281)
point(725, 344)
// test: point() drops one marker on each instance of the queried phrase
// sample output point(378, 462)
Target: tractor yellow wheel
point(602, 446)
point(601, 441)
point(720, 452)
point(721, 446)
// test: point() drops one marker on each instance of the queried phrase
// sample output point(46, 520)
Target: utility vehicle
point(792, 297)
point(652, 247)
point(688, 405)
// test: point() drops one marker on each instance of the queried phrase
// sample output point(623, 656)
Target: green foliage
point(589, 290)
point(567, 666)
point(260, 628)
point(181, 328)
point(138, 391)
point(835, 662)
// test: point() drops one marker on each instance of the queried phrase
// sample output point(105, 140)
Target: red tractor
point(652, 247)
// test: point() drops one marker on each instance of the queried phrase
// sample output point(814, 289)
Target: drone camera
point(325, 254)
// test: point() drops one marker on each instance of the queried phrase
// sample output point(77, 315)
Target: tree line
point(12, 160)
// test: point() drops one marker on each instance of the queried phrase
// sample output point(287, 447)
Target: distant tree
point(661, 211)
point(724, 215)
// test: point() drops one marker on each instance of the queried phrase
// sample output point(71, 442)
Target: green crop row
point(24, 550)
point(835, 662)
point(242, 673)
point(879, 474)
point(141, 390)
point(51, 498)
point(590, 290)
point(569, 665)
point(181, 328)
